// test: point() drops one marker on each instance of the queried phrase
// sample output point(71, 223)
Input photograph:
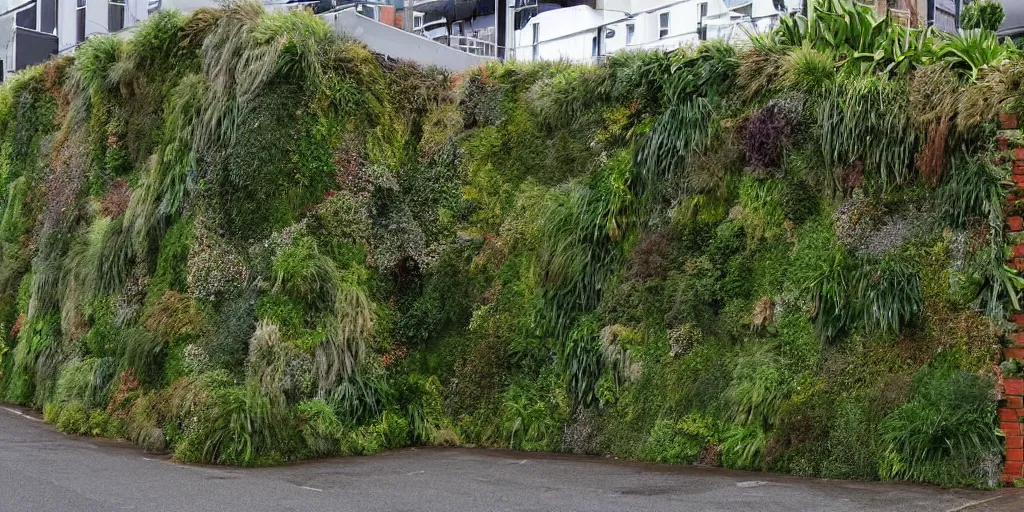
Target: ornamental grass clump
point(945, 433)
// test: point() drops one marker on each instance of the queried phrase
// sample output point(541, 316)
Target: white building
point(33, 30)
point(585, 34)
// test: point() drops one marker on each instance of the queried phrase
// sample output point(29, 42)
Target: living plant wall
point(245, 240)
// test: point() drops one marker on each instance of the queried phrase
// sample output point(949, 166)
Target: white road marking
point(19, 413)
point(415, 473)
point(973, 504)
point(753, 483)
point(311, 488)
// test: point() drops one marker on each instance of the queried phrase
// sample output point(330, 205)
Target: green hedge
point(242, 239)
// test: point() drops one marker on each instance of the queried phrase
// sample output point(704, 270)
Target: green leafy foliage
point(532, 416)
point(580, 229)
point(242, 239)
point(86, 382)
point(945, 432)
point(970, 51)
point(320, 428)
point(682, 441)
point(878, 295)
point(304, 274)
point(743, 447)
point(359, 399)
point(890, 294)
point(974, 189)
point(865, 120)
point(858, 39)
point(245, 427)
point(982, 14)
point(1012, 368)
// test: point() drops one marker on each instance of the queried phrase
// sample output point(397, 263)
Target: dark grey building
point(1013, 25)
point(27, 34)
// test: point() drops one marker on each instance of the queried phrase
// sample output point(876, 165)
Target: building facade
point(575, 30)
point(31, 31)
point(27, 33)
point(584, 33)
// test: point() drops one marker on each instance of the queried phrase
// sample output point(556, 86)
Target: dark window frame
point(116, 15)
point(80, 21)
point(702, 29)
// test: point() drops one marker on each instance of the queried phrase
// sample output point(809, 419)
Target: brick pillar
point(1011, 408)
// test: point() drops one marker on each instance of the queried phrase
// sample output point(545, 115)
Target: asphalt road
point(43, 470)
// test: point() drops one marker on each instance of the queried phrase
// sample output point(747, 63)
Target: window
point(48, 16)
point(702, 29)
point(663, 25)
point(115, 15)
point(26, 17)
point(593, 47)
point(536, 41)
point(80, 21)
point(630, 30)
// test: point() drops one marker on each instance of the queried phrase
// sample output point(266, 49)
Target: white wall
point(97, 16)
point(7, 43)
point(67, 21)
point(65, 24)
point(187, 5)
point(568, 33)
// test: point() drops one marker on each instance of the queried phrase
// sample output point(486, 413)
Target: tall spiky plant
point(89, 76)
point(243, 51)
point(690, 122)
point(265, 365)
point(164, 186)
point(348, 331)
point(80, 277)
point(866, 120)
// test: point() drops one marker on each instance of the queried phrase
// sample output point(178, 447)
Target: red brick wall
point(1011, 408)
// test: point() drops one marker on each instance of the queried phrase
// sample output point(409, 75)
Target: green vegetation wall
point(245, 240)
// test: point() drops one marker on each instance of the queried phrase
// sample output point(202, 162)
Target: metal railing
point(469, 45)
